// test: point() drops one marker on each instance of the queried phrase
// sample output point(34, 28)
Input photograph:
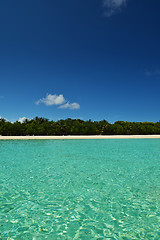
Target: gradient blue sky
point(103, 56)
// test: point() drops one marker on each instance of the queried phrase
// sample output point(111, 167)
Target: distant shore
point(79, 137)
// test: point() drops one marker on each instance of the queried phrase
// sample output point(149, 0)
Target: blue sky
point(80, 59)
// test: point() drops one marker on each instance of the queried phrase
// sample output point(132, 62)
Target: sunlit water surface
point(80, 189)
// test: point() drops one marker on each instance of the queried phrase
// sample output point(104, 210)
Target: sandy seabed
point(78, 137)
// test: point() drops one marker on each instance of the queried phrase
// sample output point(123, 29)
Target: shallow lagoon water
point(80, 189)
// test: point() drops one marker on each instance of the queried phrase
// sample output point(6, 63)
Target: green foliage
point(42, 126)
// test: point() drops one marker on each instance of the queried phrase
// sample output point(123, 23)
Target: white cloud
point(70, 106)
point(55, 99)
point(50, 100)
point(111, 6)
point(4, 118)
point(22, 119)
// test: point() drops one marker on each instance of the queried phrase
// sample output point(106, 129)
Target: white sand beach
point(79, 137)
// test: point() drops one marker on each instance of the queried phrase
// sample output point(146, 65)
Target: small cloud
point(70, 106)
point(112, 6)
point(50, 100)
point(147, 73)
point(157, 72)
point(55, 99)
point(152, 73)
point(23, 119)
point(1, 97)
point(1, 118)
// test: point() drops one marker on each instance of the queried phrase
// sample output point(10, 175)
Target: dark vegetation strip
point(44, 127)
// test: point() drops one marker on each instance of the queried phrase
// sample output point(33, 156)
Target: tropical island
point(40, 126)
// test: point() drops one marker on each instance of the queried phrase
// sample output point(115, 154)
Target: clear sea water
point(80, 189)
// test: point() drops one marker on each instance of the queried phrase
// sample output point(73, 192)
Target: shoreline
point(80, 137)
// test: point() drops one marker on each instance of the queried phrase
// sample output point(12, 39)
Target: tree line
point(42, 126)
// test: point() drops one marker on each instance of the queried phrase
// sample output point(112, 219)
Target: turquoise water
point(80, 189)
